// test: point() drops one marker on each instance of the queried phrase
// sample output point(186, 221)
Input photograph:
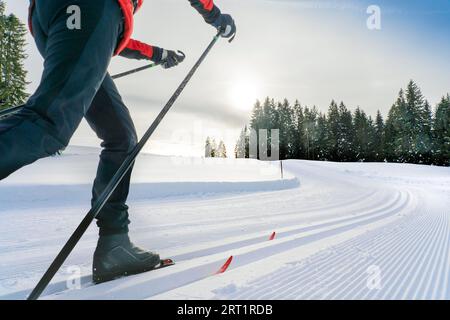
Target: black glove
point(225, 23)
point(167, 58)
point(171, 58)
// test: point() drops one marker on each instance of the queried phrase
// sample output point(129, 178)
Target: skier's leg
point(75, 65)
point(115, 254)
point(109, 118)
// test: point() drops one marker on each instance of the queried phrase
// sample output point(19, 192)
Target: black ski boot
point(116, 256)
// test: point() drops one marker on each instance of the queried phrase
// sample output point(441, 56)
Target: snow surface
point(343, 231)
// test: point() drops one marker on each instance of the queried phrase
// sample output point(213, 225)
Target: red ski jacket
point(134, 49)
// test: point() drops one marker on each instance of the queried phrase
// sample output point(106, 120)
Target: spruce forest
point(413, 132)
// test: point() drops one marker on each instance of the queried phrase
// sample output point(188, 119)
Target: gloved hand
point(226, 24)
point(171, 58)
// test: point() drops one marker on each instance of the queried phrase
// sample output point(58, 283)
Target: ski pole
point(127, 73)
point(112, 185)
point(12, 110)
point(9, 111)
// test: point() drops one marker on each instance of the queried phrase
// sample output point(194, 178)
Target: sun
point(244, 94)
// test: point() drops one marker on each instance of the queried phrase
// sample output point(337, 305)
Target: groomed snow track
point(364, 225)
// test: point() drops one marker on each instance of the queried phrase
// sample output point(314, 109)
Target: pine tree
point(264, 117)
point(379, 138)
point(242, 147)
point(270, 121)
point(12, 55)
point(3, 55)
point(364, 136)
point(408, 127)
point(345, 134)
point(270, 114)
point(417, 128)
point(425, 139)
point(321, 148)
point(257, 116)
point(333, 131)
point(371, 133)
point(395, 140)
point(359, 138)
point(441, 128)
point(310, 134)
point(298, 131)
point(285, 123)
point(257, 121)
point(210, 148)
point(221, 150)
point(213, 148)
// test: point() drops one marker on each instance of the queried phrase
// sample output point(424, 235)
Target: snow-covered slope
point(51, 180)
point(342, 230)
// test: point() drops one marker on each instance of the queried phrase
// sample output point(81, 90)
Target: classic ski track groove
point(309, 276)
point(347, 207)
point(408, 255)
point(269, 248)
point(368, 214)
point(313, 274)
point(360, 279)
point(206, 222)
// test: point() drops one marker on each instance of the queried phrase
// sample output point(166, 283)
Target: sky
point(310, 50)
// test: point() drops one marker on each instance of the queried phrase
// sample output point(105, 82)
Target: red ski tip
point(225, 266)
point(272, 236)
point(167, 261)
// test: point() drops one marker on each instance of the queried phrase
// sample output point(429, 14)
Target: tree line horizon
point(411, 133)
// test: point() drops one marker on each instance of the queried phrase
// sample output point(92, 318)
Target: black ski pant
point(75, 84)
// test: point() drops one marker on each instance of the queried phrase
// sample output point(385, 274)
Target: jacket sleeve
point(141, 51)
point(207, 9)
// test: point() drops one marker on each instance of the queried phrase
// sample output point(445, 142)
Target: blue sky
point(313, 50)
point(422, 18)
